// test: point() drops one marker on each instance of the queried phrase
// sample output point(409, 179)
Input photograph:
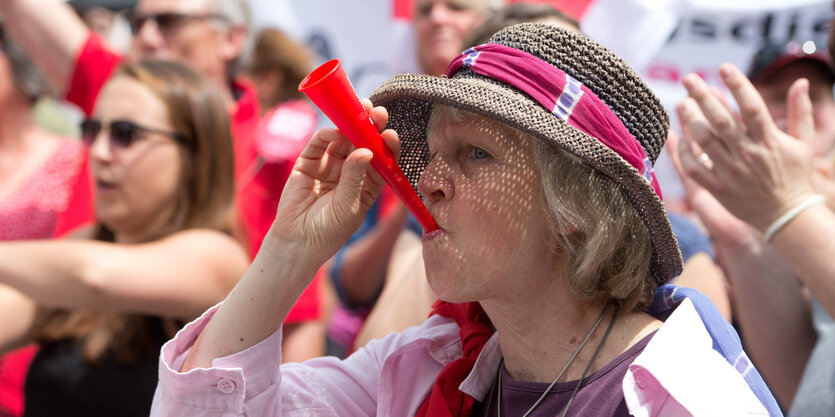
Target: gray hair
point(235, 13)
point(608, 250)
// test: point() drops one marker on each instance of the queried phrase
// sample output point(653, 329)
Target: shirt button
point(639, 381)
point(226, 386)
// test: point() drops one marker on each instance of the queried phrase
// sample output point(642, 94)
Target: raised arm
point(760, 173)
point(51, 34)
point(768, 301)
point(179, 276)
point(769, 306)
point(331, 188)
point(17, 318)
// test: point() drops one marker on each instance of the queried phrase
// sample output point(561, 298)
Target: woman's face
point(137, 184)
point(441, 26)
point(484, 191)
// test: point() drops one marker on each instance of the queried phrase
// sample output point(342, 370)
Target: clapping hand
point(756, 171)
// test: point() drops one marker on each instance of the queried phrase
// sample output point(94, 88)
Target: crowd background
point(662, 40)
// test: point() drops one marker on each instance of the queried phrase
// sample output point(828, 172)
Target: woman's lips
point(103, 185)
point(433, 234)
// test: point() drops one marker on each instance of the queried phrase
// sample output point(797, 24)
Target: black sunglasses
point(122, 133)
point(167, 22)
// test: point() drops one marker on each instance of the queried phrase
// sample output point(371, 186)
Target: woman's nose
point(100, 149)
point(148, 37)
point(434, 184)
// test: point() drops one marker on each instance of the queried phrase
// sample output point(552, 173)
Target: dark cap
point(773, 56)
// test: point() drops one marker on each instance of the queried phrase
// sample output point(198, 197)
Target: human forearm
point(363, 270)
point(324, 201)
point(17, 318)
point(52, 273)
point(50, 33)
point(807, 243)
point(771, 311)
point(179, 276)
point(258, 305)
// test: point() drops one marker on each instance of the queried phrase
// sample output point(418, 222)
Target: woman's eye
point(478, 153)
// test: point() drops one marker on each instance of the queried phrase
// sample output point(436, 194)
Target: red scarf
point(446, 400)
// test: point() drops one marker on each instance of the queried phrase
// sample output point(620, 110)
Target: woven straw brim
point(409, 99)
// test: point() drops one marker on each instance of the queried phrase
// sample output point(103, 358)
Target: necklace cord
point(593, 357)
point(565, 368)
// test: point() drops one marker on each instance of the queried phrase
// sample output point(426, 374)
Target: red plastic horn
point(328, 87)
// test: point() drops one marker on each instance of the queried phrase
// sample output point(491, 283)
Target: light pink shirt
point(677, 374)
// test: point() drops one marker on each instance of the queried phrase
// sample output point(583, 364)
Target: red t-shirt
point(258, 190)
point(52, 202)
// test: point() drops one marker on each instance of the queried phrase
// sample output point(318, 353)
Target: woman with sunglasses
point(160, 252)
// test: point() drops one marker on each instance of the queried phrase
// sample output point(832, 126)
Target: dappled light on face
point(482, 187)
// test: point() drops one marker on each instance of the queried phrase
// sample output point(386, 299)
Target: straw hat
point(409, 100)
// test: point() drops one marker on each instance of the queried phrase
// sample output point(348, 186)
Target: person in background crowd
point(519, 13)
point(790, 336)
point(777, 65)
point(45, 188)
point(276, 67)
point(552, 239)
point(209, 36)
point(441, 27)
point(161, 249)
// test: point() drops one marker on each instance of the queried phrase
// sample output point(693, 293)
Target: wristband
point(796, 210)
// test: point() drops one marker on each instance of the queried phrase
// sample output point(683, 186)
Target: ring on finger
point(703, 159)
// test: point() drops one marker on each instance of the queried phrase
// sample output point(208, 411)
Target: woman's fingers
point(380, 116)
point(752, 108)
point(319, 143)
point(800, 118)
point(694, 166)
point(719, 121)
point(392, 141)
point(675, 151)
point(696, 128)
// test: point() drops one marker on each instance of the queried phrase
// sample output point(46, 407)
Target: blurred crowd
point(145, 145)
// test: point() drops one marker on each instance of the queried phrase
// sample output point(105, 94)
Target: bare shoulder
point(207, 240)
point(637, 326)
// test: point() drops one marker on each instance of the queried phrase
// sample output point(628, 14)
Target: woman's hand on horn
point(331, 188)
